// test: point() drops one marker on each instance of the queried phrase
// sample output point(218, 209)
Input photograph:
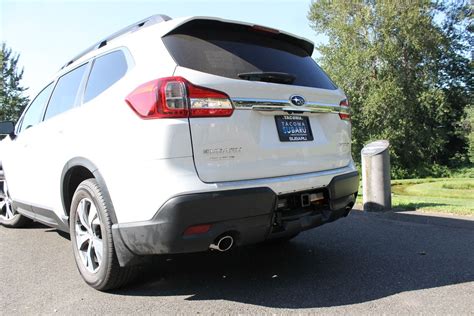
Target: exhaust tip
point(223, 244)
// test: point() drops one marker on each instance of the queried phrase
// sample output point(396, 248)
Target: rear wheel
point(8, 216)
point(91, 237)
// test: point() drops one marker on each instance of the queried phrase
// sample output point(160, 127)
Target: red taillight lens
point(175, 97)
point(197, 229)
point(162, 98)
point(345, 105)
point(204, 102)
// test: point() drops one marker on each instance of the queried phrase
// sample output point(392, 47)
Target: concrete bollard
point(376, 190)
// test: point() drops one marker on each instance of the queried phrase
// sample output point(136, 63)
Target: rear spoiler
point(216, 23)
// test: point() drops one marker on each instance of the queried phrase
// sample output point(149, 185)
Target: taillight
point(175, 97)
point(345, 105)
point(205, 102)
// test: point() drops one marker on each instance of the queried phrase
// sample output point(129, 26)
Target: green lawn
point(446, 195)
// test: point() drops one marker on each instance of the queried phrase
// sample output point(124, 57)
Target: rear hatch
point(287, 113)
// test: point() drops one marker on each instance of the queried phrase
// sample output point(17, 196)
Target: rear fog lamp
point(197, 229)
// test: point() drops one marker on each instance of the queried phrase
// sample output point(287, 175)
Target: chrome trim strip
point(285, 105)
point(248, 103)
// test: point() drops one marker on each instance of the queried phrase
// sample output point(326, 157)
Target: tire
point(8, 216)
point(91, 237)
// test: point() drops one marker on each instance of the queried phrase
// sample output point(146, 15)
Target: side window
point(106, 71)
point(64, 95)
point(34, 112)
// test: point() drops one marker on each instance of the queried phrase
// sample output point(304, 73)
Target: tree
point(12, 98)
point(406, 75)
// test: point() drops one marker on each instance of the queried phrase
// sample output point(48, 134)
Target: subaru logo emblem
point(297, 100)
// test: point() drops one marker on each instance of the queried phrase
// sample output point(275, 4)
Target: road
point(363, 264)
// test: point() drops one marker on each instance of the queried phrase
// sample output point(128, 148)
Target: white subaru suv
point(176, 136)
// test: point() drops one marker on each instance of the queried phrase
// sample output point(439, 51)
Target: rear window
point(228, 50)
point(106, 71)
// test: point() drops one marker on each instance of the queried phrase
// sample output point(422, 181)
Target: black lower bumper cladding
point(249, 215)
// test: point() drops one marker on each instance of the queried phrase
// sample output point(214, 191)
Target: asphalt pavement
point(394, 263)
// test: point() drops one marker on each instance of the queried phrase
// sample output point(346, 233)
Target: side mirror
point(7, 128)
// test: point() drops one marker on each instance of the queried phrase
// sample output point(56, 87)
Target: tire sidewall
point(94, 279)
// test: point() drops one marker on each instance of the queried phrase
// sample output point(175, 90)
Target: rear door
point(286, 110)
point(19, 162)
point(53, 140)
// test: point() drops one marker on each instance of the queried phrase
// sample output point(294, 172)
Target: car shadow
point(358, 259)
point(47, 229)
point(411, 206)
point(33, 225)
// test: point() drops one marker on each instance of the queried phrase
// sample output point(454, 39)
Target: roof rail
point(154, 19)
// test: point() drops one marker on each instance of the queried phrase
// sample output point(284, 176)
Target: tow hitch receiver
point(305, 201)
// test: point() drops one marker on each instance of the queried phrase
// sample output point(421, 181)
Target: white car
point(176, 136)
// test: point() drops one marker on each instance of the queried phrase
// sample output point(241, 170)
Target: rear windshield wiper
point(267, 76)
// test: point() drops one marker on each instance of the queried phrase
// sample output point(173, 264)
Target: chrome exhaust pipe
point(223, 244)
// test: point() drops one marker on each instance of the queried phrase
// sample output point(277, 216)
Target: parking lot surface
point(395, 263)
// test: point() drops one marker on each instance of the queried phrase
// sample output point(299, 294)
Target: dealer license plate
point(293, 128)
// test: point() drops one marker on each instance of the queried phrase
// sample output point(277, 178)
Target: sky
point(48, 33)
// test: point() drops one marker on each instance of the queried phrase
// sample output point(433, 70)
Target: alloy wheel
point(6, 210)
point(88, 232)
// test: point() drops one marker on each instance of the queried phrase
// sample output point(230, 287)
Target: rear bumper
point(250, 215)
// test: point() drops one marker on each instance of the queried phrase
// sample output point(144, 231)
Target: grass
point(458, 186)
point(444, 195)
